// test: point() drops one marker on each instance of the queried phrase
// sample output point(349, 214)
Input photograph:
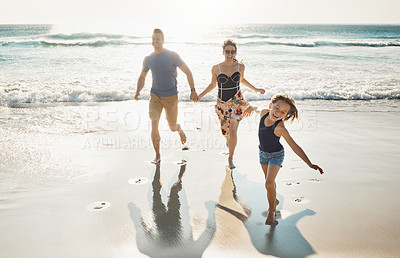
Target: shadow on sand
point(283, 239)
point(170, 235)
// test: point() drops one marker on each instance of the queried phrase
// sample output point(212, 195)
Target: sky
point(200, 12)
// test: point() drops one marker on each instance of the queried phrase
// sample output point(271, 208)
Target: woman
point(231, 106)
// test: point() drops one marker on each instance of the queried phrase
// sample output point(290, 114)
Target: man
point(164, 92)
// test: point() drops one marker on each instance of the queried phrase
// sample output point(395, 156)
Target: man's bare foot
point(156, 160)
point(270, 218)
point(183, 136)
point(230, 163)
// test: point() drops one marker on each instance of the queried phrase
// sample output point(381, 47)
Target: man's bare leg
point(177, 128)
point(156, 139)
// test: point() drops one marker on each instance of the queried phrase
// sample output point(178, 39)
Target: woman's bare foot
point(230, 163)
point(156, 160)
point(183, 136)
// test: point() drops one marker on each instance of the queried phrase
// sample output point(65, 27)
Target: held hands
point(316, 167)
point(201, 95)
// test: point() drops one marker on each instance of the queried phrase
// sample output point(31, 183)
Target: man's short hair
point(160, 32)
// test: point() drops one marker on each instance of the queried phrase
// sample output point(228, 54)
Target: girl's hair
point(293, 112)
point(230, 42)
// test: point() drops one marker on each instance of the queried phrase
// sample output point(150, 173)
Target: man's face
point(157, 41)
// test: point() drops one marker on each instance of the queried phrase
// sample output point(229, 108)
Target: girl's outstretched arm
point(282, 131)
point(211, 86)
point(246, 83)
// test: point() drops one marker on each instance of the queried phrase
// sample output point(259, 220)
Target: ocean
point(55, 64)
point(59, 84)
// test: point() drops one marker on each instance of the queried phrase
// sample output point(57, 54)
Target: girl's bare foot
point(271, 214)
point(270, 218)
point(230, 163)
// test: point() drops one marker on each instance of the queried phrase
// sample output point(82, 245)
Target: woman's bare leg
point(232, 142)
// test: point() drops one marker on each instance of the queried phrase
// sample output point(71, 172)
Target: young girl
point(282, 108)
point(231, 105)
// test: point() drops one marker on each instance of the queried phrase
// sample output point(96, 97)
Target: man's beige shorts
point(170, 104)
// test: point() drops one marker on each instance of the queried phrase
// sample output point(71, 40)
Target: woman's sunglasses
point(232, 52)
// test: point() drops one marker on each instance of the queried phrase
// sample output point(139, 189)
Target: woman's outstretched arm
point(246, 83)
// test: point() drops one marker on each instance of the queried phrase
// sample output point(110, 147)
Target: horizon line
point(222, 24)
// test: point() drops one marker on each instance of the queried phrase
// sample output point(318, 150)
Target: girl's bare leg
point(270, 172)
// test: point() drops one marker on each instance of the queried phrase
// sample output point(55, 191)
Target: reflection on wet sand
point(170, 236)
point(283, 240)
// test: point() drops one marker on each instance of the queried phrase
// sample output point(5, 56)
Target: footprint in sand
point(292, 183)
point(138, 181)
point(224, 153)
point(315, 180)
point(300, 200)
point(96, 206)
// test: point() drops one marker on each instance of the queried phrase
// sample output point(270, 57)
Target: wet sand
point(128, 207)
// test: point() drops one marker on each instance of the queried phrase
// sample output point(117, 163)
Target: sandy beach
point(88, 189)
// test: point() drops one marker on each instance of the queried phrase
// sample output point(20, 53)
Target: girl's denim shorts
point(272, 158)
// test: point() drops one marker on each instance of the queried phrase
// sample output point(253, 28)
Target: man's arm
point(184, 68)
point(140, 84)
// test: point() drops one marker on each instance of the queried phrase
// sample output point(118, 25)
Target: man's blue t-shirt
point(163, 70)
